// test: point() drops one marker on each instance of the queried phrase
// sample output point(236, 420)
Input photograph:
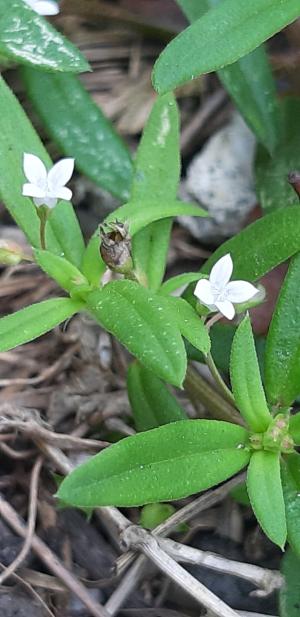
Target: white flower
point(219, 294)
point(43, 7)
point(47, 188)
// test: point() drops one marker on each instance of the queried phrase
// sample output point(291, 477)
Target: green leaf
point(27, 38)
point(246, 381)
point(255, 98)
point(178, 281)
point(290, 591)
point(194, 9)
point(78, 126)
point(93, 266)
point(273, 188)
point(290, 471)
point(189, 322)
point(261, 246)
point(63, 235)
point(151, 402)
point(294, 428)
point(137, 318)
point(35, 320)
point(220, 37)
point(61, 270)
point(138, 216)
point(157, 172)
point(265, 494)
point(169, 462)
point(155, 513)
point(282, 361)
point(240, 495)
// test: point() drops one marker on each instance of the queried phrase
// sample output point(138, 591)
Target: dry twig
point(136, 537)
point(51, 560)
point(267, 580)
point(33, 494)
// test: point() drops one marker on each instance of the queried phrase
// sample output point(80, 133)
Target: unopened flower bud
point(115, 247)
point(10, 253)
point(294, 180)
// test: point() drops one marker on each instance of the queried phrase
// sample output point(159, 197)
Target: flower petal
point(204, 292)
point(35, 170)
point(64, 193)
point(226, 308)
point(43, 7)
point(221, 271)
point(31, 190)
point(46, 7)
point(49, 202)
point(240, 291)
point(60, 174)
point(39, 201)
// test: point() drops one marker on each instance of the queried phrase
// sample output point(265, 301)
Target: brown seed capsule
point(294, 180)
point(115, 247)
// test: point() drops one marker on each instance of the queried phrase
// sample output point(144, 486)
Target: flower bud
point(10, 253)
point(115, 247)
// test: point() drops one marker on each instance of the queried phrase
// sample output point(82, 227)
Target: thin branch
point(32, 510)
point(185, 514)
point(136, 537)
point(35, 431)
point(27, 586)
point(51, 560)
point(202, 391)
point(267, 580)
point(227, 394)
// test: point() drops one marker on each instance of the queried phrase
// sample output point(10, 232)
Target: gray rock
point(220, 179)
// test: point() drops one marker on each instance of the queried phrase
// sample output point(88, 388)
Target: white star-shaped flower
point(43, 7)
point(46, 188)
point(218, 293)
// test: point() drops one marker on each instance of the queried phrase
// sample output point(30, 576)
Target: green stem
point(219, 380)
point(200, 390)
point(42, 213)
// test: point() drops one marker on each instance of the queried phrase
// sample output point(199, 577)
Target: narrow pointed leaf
point(35, 320)
point(255, 98)
point(151, 402)
point(189, 323)
point(140, 216)
point(27, 38)
point(261, 246)
point(266, 496)
point(290, 590)
point(61, 270)
point(157, 172)
point(246, 381)
point(178, 281)
point(93, 266)
point(137, 318)
point(290, 471)
point(80, 129)
point(169, 462)
point(63, 235)
point(282, 360)
point(220, 37)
